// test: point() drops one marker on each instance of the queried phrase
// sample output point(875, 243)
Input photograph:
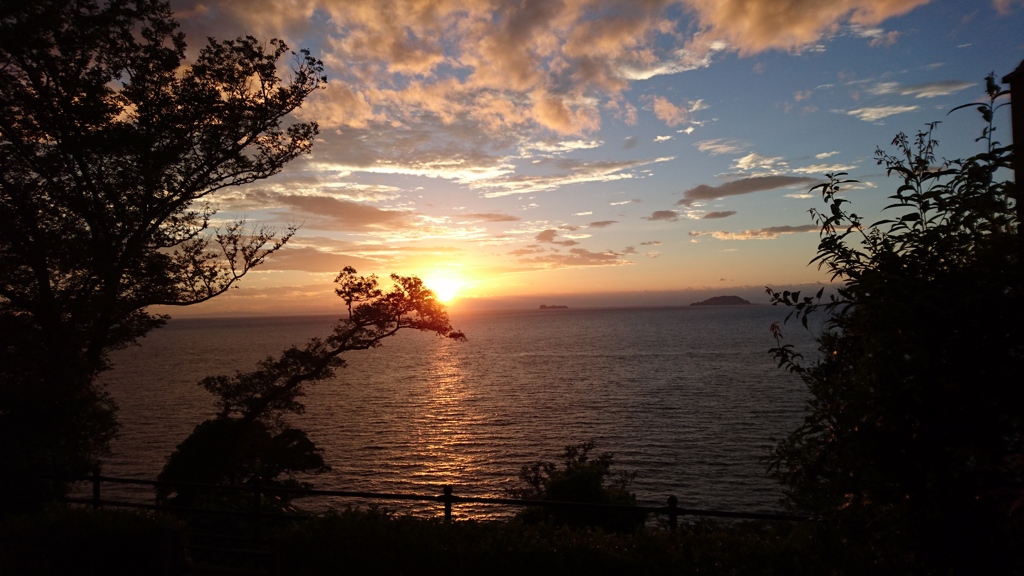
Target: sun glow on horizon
point(445, 288)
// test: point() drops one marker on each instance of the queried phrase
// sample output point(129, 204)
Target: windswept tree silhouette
point(250, 437)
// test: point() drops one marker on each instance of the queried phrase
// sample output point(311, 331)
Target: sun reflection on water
point(446, 416)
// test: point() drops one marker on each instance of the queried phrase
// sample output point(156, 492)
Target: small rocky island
point(722, 301)
point(546, 307)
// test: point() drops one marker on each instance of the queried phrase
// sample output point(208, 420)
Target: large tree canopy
point(912, 444)
point(109, 143)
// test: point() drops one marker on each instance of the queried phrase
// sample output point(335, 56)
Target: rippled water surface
point(687, 397)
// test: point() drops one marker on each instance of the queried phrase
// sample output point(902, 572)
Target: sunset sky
point(575, 152)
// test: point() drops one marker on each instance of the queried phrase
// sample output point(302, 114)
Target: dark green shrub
point(234, 452)
point(582, 478)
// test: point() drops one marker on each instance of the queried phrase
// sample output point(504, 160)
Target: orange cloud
point(751, 26)
point(554, 112)
point(503, 65)
point(668, 112)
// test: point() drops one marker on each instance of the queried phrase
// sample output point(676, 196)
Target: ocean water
point(687, 397)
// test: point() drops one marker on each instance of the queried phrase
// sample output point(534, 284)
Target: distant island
point(546, 307)
point(722, 301)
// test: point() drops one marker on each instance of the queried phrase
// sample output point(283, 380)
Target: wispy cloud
point(925, 90)
point(561, 146)
point(576, 257)
point(755, 162)
point(665, 215)
point(326, 212)
point(876, 113)
point(738, 187)
point(489, 218)
point(309, 259)
point(715, 215)
point(571, 172)
point(319, 254)
point(821, 169)
point(720, 146)
point(770, 233)
point(548, 237)
point(877, 36)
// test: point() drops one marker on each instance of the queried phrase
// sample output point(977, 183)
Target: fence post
point(673, 512)
point(95, 487)
point(447, 504)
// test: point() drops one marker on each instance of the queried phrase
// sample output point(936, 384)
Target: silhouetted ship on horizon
point(557, 307)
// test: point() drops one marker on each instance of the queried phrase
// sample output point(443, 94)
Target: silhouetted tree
point(913, 441)
point(250, 436)
point(582, 478)
point(109, 142)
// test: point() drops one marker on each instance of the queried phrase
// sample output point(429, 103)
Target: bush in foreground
point(582, 478)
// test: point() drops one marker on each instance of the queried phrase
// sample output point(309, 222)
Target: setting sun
point(446, 289)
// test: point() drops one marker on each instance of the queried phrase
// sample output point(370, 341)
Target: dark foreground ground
point(82, 541)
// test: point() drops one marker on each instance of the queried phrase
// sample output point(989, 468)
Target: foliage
point(233, 452)
point(371, 541)
point(581, 479)
point(914, 422)
point(250, 437)
point(109, 144)
point(58, 541)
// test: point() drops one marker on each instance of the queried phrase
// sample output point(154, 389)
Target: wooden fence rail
point(447, 498)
